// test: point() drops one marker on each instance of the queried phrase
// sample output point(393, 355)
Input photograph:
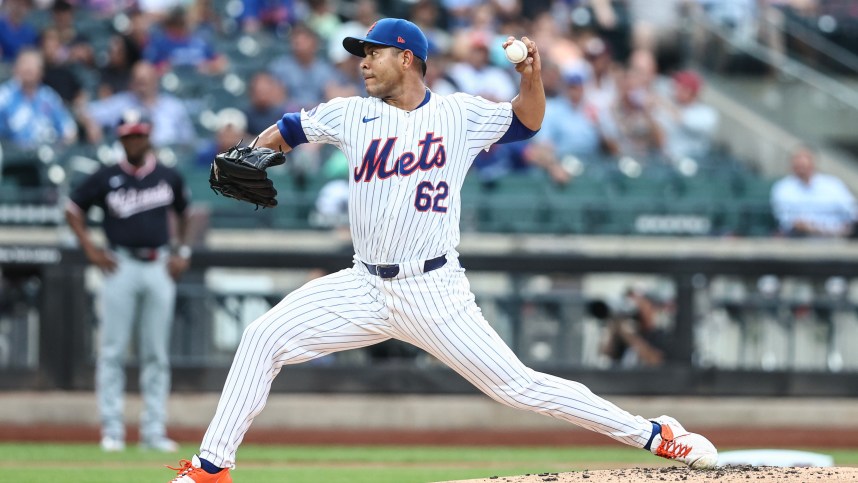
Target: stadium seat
point(756, 217)
point(514, 204)
point(471, 202)
point(712, 195)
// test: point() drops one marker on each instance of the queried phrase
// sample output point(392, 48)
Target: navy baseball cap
point(391, 32)
point(133, 122)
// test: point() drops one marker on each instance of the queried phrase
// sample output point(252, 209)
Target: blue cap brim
point(354, 45)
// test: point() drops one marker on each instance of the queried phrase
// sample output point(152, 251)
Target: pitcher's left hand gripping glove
point(240, 173)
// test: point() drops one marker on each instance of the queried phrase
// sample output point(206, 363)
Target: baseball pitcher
point(408, 150)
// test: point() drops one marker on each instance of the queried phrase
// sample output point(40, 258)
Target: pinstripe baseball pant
point(434, 311)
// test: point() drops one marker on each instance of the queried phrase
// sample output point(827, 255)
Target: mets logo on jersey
point(375, 159)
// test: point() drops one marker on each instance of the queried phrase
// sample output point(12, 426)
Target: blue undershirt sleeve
point(516, 132)
point(291, 130)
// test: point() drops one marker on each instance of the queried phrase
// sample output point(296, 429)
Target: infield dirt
point(732, 474)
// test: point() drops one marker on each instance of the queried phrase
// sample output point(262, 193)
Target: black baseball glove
point(240, 173)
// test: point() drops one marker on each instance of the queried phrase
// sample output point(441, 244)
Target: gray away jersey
point(407, 168)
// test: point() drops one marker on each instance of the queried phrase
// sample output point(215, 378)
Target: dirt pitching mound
point(730, 474)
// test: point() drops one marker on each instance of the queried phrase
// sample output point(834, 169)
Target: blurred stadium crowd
point(627, 146)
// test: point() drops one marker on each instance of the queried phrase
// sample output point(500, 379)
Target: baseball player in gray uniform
point(139, 271)
point(409, 150)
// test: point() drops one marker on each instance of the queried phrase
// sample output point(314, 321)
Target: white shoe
point(677, 444)
point(162, 444)
point(112, 445)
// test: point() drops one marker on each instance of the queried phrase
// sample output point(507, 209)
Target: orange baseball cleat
point(677, 444)
point(191, 472)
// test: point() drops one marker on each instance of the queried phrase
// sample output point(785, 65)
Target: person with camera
point(633, 338)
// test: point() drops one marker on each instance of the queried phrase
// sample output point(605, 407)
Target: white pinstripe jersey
point(407, 168)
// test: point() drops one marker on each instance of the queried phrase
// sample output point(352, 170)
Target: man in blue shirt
point(31, 113)
point(172, 123)
point(572, 127)
point(176, 45)
point(304, 72)
point(811, 204)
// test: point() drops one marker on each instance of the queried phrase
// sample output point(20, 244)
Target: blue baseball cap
point(391, 32)
point(574, 76)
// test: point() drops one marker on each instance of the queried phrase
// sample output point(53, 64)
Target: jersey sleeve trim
point(517, 131)
point(291, 130)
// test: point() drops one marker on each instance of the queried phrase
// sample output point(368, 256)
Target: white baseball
point(516, 52)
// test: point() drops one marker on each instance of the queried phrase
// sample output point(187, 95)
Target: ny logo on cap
point(371, 27)
point(400, 40)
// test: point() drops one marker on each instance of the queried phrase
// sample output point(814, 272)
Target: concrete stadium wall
point(410, 413)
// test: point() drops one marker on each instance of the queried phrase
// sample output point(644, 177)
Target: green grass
point(78, 463)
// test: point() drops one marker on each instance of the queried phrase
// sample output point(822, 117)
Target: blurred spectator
point(602, 85)
point(267, 103)
point(643, 67)
point(608, 19)
point(304, 73)
point(65, 71)
point(204, 18)
point(348, 81)
point(738, 19)
point(231, 130)
point(322, 19)
point(532, 8)
point(104, 9)
point(171, 121)
point(62, 17)
point(474, 75)
point(57, 74)
point(461, 12)
point(115, 75)
point(633, 337)
point(139, 28)
point(572, 127)
point(501, 160)
point(425, 14)
point(807, 203)
point(437, 76)
point(77, 46)
point(656, 27)
point(363, 14)
point(484, 21)
point(639, 133)
point(157, 10)
point(689, 124)
point(559, 48)
point(31, 113)
point(15, 32)
point(175, 45)
point(271, 14)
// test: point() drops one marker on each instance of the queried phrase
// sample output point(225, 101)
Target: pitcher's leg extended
point(453, 329)
point(473, 349)
point(329, 314)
